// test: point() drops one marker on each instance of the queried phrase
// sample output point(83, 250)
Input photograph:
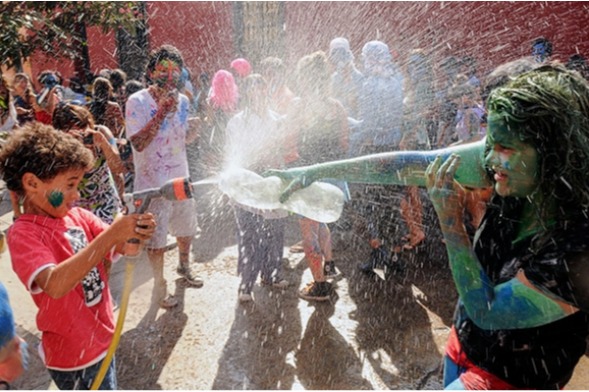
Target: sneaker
point(245, 297)
point(316, 291)
point(186, 273)
point(329, 270)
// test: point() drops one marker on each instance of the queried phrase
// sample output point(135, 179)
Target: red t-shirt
point(77, 328)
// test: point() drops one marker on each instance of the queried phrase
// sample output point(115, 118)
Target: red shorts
point(473, 377)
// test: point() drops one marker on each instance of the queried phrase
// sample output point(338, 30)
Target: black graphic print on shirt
point(92, 284)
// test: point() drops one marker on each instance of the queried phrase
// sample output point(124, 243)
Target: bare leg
point(184, 269)
point(160, 286)
point(325, 242)
point(417, 234)
point(310, 233)
point(411, 209)
point(184, 244)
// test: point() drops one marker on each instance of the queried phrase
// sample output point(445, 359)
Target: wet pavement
point(373, 334)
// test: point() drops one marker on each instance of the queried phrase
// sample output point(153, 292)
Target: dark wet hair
point(77, 86)
point(40, 149)
point(505, 72)
point(545, 42)
point(101, 89)
point(102, 93)
point(548, 108)
point(578, 63)
point(132, 86)
point(117, 78)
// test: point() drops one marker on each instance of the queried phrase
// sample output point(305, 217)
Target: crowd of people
point(501, 157)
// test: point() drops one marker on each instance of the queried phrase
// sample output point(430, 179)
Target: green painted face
point(55, 198)
point(514, 163)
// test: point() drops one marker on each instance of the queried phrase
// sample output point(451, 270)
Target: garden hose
point(119, 327)
point(138, 202)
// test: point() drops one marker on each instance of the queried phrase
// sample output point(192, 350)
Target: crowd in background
point(327, 106)
point(330, 106)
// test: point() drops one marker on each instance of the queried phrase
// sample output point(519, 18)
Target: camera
point(88, 139)
point(125, 150)
point(49, 81)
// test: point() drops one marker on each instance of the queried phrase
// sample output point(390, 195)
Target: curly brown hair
point(41, 150)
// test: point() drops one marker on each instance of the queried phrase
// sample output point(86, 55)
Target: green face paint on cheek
point(55, 198)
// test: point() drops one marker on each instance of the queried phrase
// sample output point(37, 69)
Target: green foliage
point(54, 26)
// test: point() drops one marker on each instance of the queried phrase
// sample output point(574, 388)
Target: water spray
point(138, 202)
point(320, 201)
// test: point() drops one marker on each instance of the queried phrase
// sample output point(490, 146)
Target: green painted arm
point(398, 167)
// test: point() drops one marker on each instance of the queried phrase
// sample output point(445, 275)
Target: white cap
point(339, 42)
point(377, 49)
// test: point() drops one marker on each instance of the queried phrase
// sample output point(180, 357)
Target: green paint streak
point(55, 198)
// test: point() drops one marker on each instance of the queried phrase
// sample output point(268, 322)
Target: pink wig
point(223, 94)
point(242, 67)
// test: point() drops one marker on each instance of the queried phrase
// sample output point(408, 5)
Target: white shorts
point(178, 218)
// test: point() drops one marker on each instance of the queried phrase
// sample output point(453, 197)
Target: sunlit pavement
point(372, 335)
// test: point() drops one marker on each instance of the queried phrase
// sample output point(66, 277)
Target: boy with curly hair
point(59, 252)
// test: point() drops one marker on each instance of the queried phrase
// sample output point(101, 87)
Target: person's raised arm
point(145, 136)
point(106, 141)
point(398, 167)
point(62, 278)
point(514, 304)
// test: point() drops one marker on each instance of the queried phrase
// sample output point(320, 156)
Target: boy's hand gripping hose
point(176, 189)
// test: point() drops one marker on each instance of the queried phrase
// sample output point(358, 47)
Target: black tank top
point(541, 357)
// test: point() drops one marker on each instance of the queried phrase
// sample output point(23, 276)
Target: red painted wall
point(102, 51)
point(492, 32)
point(201, 30)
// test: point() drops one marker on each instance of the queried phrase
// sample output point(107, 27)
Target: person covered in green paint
point(59, 252)
point(522, 318)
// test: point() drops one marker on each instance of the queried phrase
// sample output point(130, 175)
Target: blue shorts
point(83, 379)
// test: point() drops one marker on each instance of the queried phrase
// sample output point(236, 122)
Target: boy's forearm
point(60, 280)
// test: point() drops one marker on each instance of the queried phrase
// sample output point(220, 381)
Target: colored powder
point(55, 198)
